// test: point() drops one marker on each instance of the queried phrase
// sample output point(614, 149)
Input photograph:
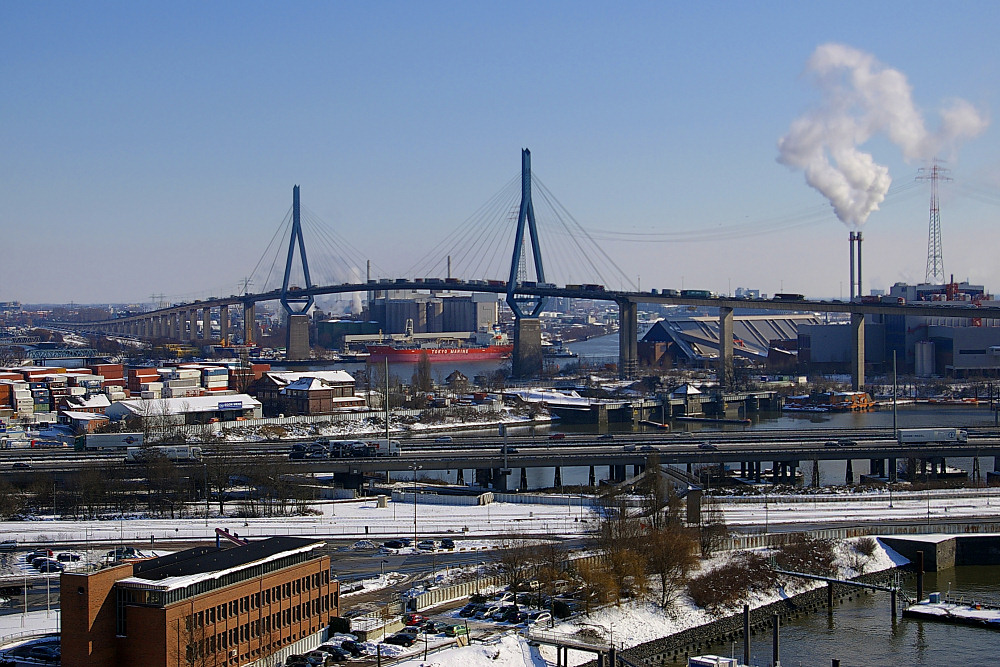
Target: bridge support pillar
point(206, 324)
point(191, 324)
point(756, 472)
point(857, 351)
point(592, 478)
point(249, 322)
point(527, 347)
point(523, 486)
point(557, 478)
point(223, 323)
point(893, 474)
point(628, 337)
point(483, 477)
point(500, 479)
point(297, 337)
point(724, 372)
point(175, 325)
point(460, 477)
point(849, 475)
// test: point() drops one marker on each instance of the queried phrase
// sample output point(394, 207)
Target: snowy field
point(342, 519)
point(952, 505)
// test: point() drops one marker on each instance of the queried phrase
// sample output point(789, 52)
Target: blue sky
point(151, 148)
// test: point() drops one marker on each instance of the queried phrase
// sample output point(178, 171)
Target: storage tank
point(923, 358)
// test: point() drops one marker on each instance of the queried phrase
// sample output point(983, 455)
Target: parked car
point(426, 544)
point(44, 653)
point(470, 610)
point(296, 660)
point(51, 566)
point(392, 544)
point(414, 619)
point(488, 611)
point(447, 543)
point(430, 627)
point(455, 630)
point(39, 552)
point(356, 649)
point(401, 640)
point(413, 630)
point(68, 557)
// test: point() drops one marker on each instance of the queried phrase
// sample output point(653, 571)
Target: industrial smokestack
point(850, 240)
point(858, 239)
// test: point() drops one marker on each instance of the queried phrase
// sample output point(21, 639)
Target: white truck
point(171, 452)
point(383, 447)
point(916, 436)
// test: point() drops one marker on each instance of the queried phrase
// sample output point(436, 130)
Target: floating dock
point(936, 608)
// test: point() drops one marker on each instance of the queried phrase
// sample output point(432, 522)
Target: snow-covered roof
point(288, 377)
point(180, 406)
point(685, 389)
point(224, 562)
point(99, 401)
point(82, 416)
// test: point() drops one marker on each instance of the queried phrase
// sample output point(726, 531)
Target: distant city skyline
point(151, 149)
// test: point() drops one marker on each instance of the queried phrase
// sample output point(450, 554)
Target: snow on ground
point(376, 583)
point(351, 519)
point(508, 651)
point(913, 505)
point(15, 626)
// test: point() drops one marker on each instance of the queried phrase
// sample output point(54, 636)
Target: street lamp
point(414, 467)
point(382, 566)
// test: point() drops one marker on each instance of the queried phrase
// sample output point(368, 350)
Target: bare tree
point(514, 559)
point(223, 467)
point(671, 555)
point(712, 527)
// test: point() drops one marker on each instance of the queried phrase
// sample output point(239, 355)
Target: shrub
point(734, 582)
point(807, 554)
point(866, 546)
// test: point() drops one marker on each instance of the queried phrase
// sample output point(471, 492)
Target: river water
point(860, 632)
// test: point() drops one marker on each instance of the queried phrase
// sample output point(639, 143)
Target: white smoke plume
point(356, 307)
point(862, 98)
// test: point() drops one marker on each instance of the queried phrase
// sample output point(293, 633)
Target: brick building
point(206, 607)
point(306, 393)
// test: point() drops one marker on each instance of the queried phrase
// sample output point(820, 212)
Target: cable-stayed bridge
point(508, 251)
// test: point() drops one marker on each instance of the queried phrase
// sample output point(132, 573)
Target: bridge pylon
point(527, 330)
point(296, 306)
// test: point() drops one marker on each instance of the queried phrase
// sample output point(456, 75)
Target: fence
point(737, 542)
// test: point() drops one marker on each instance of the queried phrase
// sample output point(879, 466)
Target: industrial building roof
point(288, 377)
point(698, 337)
point(179, 406)
point(192, 565)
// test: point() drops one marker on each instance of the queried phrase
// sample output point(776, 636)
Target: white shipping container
point(77, 391)
point(118, 396)
point(151, 386)
point(151, 395)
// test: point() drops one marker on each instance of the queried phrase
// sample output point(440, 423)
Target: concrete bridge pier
point(500, 479)
point(756, 472)
point(637, 470)
point(249, 322)
point(297, 337)
point(557, 478)
point(893, 474)
point(527, 360)
point(618, 473)
point(724, 372)
point(223, 323)
point(628, 337)
point(206, 324)
point(743, 469)
point(592, 478)
point(857, 351)
point(849, 476)
point(523, 485)
point(460, 477)
point(483, 477)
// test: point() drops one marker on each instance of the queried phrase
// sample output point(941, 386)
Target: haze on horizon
point(151, 149)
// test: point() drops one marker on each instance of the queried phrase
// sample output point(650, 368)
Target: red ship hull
point(383, 352)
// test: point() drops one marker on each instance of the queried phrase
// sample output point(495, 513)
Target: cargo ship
point(441, 349)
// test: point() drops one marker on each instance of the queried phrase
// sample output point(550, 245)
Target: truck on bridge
point(172, 453)
point(916, 436)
